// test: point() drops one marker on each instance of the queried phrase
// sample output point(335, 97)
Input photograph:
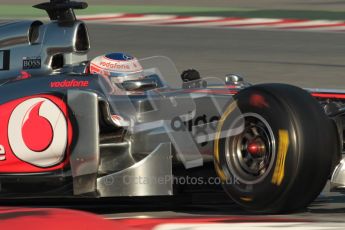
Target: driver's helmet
point(117, 67)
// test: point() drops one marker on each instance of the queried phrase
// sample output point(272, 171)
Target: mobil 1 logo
point(4, 60)
point(31, 62)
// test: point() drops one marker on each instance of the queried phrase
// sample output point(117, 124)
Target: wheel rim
point(251, 154)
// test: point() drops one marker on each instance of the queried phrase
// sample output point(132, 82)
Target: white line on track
point(251, 226)
point(217, 22)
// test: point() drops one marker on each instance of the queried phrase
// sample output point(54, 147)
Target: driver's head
point(117, 67)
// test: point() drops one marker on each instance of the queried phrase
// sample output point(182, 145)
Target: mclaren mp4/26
point(66, 133)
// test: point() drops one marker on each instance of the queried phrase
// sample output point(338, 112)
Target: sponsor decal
point(69, 84)
point(4, 60)
point(31, 62)
point(42, 130)
point(218, 167)
point(116, 66)
point(279, 170)
point(37, 135)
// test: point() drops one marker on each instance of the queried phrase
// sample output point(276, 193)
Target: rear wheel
point(282, 158)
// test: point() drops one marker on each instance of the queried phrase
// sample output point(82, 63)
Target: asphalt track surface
point(306, 59)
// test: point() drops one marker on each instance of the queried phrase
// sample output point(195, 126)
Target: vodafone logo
point(37, 132)
point(115, 66)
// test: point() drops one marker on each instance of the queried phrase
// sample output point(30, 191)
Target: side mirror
point(236, 81)
point(139, 85)
point(233, 79)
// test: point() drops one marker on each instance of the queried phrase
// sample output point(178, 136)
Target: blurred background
point(308, 56)
point(254, 4)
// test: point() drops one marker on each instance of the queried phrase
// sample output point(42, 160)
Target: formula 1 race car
point(67, 133)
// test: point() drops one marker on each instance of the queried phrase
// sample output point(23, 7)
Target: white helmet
point(117, 67)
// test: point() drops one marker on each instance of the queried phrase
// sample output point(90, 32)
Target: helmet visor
point(118, 78)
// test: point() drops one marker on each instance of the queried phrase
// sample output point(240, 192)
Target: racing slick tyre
point(282, 157)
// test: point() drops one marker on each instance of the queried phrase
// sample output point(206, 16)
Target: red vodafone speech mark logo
point(37, 132)
point(37, 123)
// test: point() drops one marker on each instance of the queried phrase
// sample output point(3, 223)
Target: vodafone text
point(69, 84)
point(110, 65)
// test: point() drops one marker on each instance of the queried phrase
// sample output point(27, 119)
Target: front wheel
point(282, 158)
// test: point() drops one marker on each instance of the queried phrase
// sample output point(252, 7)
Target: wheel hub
point(250, 155)
point(256, 148)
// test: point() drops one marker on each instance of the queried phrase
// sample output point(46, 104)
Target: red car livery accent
point(24, 75)
point(329, 95)
point(36, 135)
